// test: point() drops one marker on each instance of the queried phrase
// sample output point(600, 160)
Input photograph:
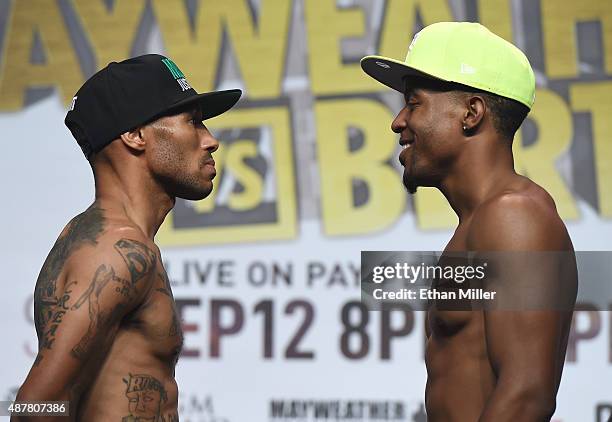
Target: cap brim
point(391, 72)
point(213, 103)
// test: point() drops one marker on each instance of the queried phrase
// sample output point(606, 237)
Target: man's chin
point(410, 183)
point(412, 189)
point(195, 194)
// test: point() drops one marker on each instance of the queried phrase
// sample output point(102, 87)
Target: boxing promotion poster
point(266, 271)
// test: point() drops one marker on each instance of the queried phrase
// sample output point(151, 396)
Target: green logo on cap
point(173, 68)
point(178, 75)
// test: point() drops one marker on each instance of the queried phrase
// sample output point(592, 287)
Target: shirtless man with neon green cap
point(467, 91)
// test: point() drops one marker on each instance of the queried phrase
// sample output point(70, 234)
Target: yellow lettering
point(61, 68)
point(495, 15)
point(260, 48)
point(326, 25)
point(537, 161)
point(559, 28)
point(249, 179)
point(340, 167)
point(400, 19)
point(595, 98)
point(111, 32)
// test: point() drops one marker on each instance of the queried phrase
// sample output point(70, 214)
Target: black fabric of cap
point(127, 94)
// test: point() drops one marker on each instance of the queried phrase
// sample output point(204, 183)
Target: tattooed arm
point(99, 285)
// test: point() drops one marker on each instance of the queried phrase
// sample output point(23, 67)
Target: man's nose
point(400, 121)
point(209, 142)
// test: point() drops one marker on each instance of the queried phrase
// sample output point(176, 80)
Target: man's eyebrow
point(410, 92)
point(196, 112)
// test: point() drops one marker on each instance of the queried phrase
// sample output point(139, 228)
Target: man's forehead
point(190, 110)
point(411, 91)
point(417, 85)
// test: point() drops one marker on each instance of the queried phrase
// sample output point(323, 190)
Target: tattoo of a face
point(137, 256)
point(145, 395)
point(84, 229)
point(170, 417)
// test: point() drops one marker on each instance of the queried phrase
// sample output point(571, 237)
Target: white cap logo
point(416, 36)
point(466, 68)
point(73, 103)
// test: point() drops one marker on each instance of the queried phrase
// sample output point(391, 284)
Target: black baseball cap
point(133, 92)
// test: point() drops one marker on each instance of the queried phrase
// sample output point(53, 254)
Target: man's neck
point(478, 174)
point(135, 195)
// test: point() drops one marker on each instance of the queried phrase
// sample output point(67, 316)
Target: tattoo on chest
point(48, 307)
point(146, 396)
point(137, 256)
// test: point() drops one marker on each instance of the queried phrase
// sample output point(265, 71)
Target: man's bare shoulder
point(521, 217)
point(99, 238)
point(96, 224)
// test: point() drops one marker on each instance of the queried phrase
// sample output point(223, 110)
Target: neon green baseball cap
point(460, 52)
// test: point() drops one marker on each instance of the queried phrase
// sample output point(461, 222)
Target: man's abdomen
point(132, 385)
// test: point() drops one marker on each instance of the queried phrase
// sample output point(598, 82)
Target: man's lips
point(406, 145)
point(209, 162)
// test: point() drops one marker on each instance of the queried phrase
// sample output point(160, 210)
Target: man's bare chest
point(448, 318)
point(157, 319)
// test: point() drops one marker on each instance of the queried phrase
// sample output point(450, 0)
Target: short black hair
point(507, 114)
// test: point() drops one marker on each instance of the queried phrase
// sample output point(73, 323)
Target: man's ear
point(134, 139)
point(474, 113)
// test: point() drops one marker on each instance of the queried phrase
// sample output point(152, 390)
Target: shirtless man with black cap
point(108, 331)
point(467, 91)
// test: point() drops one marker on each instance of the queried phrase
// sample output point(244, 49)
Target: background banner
point(266, 269)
